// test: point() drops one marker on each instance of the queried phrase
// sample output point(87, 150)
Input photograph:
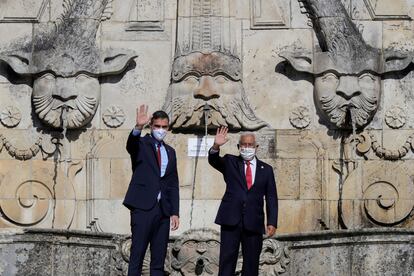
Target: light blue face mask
point(159, 134)
point(247, 153)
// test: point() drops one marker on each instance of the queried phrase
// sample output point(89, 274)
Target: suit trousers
point(148, 227)
point(251, 243)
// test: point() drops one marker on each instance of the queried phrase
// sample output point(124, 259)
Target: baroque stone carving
point(120, 258)
point(348, 71)
point(46, 146)
point(384, 198)
point(125, 251)
point(39, 196)
point(66, 64)
point(10, 116)
point(274, 259)
point(299, 117)
point(395, 117)
point(196, 252)
point(206, 83)
point(114, 116)
point(367, 141)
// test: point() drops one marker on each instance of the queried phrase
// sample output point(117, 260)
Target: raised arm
point(214, 158)
point(132, 145)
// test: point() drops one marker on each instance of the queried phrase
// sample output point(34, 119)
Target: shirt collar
point(156, 142)
point(252, 162)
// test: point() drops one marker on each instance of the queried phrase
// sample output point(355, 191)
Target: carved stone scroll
point(39, 196)
point(384, 197)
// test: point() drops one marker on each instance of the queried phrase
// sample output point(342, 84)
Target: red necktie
point(249, 177)
point(159, 154)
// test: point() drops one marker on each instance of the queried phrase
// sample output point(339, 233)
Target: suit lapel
point(259, 174)
point(151, 147)
point(168, 150)
point(242, 174)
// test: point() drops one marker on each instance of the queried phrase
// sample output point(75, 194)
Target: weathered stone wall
point(72, 74)
point(340, 252)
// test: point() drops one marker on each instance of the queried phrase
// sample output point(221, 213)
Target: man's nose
point(206, 89)
point(348, 87)
point(65, 89)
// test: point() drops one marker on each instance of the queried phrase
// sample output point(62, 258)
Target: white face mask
point(159, 134)
point(247, 153)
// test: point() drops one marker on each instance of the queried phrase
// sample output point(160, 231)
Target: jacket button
point(244, 204)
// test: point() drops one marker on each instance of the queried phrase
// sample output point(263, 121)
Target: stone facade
point(326, 86)
point(340, 252)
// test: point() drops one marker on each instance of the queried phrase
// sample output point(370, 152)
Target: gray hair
point(248, 133)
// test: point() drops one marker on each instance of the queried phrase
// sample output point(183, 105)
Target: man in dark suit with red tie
point(153, 193)
point(249, 182)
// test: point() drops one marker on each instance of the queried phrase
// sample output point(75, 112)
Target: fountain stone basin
point(375, 251)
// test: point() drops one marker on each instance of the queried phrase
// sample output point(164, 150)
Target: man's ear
point(395, 61)
point(302, 62)
point(115, 61)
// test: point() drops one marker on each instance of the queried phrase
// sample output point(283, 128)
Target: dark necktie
point(159, 154)
point(249, 177)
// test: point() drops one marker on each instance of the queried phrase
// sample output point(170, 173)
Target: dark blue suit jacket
point(240, 203)
point(146, 181)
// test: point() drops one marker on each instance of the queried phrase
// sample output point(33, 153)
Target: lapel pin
point(262, 167)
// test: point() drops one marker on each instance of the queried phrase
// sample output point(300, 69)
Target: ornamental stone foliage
point(196, 252)
point(10, 116)
point(299, 117)
point(114, 116)
point(395, 117)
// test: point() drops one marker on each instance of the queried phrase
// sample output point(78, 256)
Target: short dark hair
point(160, 114)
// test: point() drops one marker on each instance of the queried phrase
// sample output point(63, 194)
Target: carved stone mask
point(196, 253)
point(66, 64)
point(209, 81)
point(347, 95)
point(347, 98)
point(74, 99)
point(347, 72)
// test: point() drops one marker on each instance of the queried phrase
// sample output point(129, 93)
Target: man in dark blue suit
point(153, 193)
point(248, 182)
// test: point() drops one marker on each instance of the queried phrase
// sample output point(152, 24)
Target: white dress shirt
point(253, 164)
point(164, 156)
